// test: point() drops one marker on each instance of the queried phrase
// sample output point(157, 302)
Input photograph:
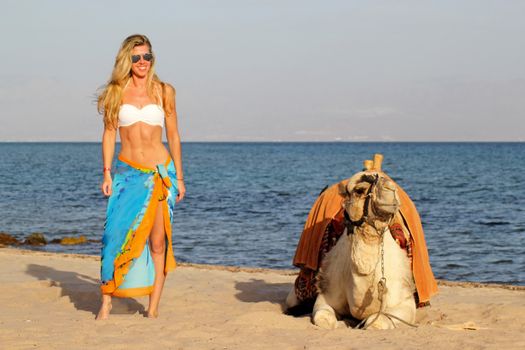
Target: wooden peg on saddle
point(378, 159)
point(368, 165)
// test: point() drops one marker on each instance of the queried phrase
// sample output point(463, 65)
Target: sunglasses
point(147, 57)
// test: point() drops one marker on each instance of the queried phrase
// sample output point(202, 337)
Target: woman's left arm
point(172, 135)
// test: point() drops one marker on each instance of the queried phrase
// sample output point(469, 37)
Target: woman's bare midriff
point(142, 143)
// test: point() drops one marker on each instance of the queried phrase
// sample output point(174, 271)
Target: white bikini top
point(152, 114)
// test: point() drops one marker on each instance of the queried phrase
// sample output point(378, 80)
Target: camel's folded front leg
point(324, 315)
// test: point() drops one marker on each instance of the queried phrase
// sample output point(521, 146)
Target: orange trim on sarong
point(136, 245)
point(132, 292)
point(140, 166)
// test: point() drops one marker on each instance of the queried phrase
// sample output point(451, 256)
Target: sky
point(274, 70)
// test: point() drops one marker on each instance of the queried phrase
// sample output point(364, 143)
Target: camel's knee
point(323, 314)
point(325, 318)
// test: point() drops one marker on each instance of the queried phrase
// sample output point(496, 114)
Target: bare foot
point(103, 313)
point(152, 314)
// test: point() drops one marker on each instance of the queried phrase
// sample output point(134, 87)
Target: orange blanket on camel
point(328, 207)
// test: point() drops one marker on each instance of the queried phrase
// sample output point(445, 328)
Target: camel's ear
point(341, 188)
point(353, 181)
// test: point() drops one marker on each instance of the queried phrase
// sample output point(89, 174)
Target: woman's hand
point(182, 190)
point(106, 185)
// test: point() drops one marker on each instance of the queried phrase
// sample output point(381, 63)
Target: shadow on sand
point(257, 290)
point(82, 290)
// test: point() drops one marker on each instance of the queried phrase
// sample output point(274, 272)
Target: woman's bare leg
point(105, 308)
point(157, 240)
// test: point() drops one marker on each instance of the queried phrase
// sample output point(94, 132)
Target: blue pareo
point(127, 267)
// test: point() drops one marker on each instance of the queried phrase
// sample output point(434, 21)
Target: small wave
point(76, 205)
point(213, 209)
point(502, 261)
point(493, 223)
point(458, 185)
point(258, 212)
point(454, 266)
point(475, 190)
point(426, 200)
point(459, 232)
point(279, 193)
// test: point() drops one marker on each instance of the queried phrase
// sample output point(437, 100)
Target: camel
point(367, 274)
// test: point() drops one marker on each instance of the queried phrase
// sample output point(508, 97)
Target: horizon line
point(291, 141)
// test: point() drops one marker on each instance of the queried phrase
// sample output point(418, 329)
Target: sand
point(49, 301)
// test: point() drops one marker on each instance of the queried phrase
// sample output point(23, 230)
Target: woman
point(137, 251)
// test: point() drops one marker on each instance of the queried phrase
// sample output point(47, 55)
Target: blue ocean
point(246, 203)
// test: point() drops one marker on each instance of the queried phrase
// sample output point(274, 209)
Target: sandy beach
point(49, 301)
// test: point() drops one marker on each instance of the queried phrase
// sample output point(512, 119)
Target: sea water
point(246, 203)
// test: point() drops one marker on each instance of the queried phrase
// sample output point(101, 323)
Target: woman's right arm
point(109, 138)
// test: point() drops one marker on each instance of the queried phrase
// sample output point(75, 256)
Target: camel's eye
point(360, 190)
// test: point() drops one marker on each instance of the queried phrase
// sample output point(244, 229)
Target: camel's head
point(371, 198)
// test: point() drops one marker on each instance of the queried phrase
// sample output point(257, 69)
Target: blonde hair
point(110, 99)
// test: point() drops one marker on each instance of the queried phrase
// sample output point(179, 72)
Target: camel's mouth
point(385, 202)
point(371, 198)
